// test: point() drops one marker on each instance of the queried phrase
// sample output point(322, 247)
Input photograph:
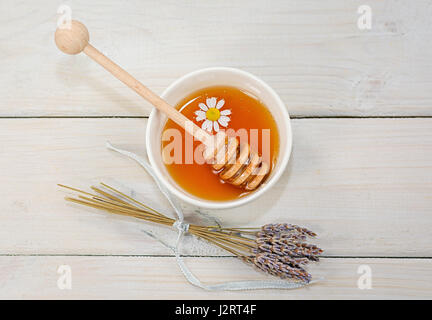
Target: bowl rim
point(209, 204)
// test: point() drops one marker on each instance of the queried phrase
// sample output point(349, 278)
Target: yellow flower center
point(213, 114)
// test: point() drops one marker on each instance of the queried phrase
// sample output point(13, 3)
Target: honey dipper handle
point(75, 39)
point(144, 92)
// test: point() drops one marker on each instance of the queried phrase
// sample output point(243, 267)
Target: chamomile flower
point(212, 115)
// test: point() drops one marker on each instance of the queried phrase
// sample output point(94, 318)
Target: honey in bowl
point(235, 111)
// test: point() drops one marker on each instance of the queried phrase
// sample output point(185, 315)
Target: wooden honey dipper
point(236, 164)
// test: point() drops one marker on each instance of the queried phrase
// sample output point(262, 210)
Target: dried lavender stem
point(129, 208)
point(246, 241)
point(131, 199)
point(109, 196)
point(278, 249)
point(125, 212)
point(211, 240)
point(99, 199)
point(94, 195)
point(225, 240)
point(76, 190)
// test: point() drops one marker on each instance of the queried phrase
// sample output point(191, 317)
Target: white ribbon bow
point(183, 227)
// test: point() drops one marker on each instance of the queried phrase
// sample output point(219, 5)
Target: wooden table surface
point(360, 174)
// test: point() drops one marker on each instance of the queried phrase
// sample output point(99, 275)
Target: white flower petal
point(211, 102)
point(223, 121)
point(207, 125)
point(216, 126)
point(220, 103)
point(225, 112)
point(201, 115)
point(203, 106)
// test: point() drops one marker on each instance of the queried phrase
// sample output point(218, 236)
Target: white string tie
point(181, 226)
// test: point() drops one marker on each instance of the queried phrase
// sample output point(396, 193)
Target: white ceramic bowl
point(213, 77)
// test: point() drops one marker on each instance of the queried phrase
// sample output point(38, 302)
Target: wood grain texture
point(311, 52)
point(364, 185)
point(160, 278)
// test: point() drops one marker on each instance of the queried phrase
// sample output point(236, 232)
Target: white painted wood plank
point(311, 52)
point(364, 185)
point(160, 278)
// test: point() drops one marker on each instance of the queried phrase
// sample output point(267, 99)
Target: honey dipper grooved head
point(72, 39)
